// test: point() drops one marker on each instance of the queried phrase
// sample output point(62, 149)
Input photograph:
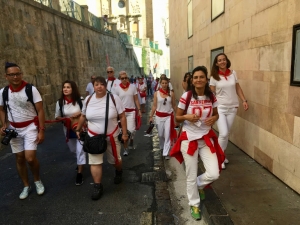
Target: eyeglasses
point(124, 78)
point(165, 101)
point(110, 71)
point(13, 74)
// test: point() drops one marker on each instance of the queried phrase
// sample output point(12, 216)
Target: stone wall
point(257, 37)
point(51, 47)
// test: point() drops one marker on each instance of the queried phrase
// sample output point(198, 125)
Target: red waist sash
point(193, 146)
point(129, 110)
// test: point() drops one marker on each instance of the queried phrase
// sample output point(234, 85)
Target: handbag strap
point(106, 113)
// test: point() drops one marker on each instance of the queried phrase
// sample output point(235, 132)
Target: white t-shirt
point(90, 88)
point(203, 107)
point(112, 84)
point(68, 109)
point(141, 87)
point(226, 90)
point(170, 86)
point(21, 109)
point(167, 108)
point(95, 114)
point(127, 97)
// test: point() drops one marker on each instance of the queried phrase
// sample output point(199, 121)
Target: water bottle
point(150, 128)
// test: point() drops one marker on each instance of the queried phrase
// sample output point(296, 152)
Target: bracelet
point(42, 128)
point(245, 101)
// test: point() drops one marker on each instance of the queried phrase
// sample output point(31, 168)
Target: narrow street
point(131, 202)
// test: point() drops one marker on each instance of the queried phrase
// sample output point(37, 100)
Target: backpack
point(28, 91)
point(60, 103)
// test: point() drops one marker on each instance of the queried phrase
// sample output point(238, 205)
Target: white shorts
point(96, 159)
point(25, 139)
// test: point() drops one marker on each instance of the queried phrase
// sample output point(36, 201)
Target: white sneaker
point(125, 153)
point(223, 166)
point(226, 161)
point(25, 192)
point(40, 189)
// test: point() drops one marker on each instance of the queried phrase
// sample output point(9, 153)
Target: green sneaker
point(202, 194)
point(195, 212)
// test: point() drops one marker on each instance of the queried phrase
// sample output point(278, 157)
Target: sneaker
point(223, 166)
point(195, 212)
point(40, 189)
point(226, 161)
point(24, 194)
point(202, 194)
point(79, 179)
point(125, 152)
point(98, 191)
point(118, 177)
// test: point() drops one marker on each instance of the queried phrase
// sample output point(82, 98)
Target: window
point(190, 63)
point(295, 67)
point(190, 18)
point(213, 54)
point(89, 49)
point(217, 8)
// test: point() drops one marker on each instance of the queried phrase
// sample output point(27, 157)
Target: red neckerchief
point(226, 74)
point(23, 84)
point(111, 78)
point(68, 101)
point(163, 91)
point(124, 86)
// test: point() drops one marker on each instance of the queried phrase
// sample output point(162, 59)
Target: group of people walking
point(203, 103)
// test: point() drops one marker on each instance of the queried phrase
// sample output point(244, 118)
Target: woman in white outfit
point(93, 112)
point(164, 106)
point(197, 110)
point(128, 95)
point(141, 89)
point(224, 83)
point(69, 106)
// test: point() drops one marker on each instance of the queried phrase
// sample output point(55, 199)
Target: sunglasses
point(124, 78)
point(165, 101)
point(109, 71)
point(13, 74)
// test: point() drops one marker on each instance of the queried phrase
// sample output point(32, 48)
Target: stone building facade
point(257, 36)
point(51, 47)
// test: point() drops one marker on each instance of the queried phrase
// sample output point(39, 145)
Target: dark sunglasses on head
point(165, 101)
point(124, 78)
point(109, 71)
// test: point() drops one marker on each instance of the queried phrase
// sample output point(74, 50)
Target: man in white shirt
point(112, 82)
point(90, 87)
point(21, 112)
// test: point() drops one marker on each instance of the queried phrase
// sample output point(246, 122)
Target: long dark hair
point(188, 74)
point(75, 92)
point(207, 91)
point(215, 68)
point(168, 88)
point(189, 83)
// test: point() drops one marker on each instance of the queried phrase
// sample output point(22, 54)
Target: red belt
point(173, 133)
point(21, 124)
point(112, 142)
point(129, 110)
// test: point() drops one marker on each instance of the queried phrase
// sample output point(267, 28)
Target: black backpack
point(60, 103)
point(28, 91)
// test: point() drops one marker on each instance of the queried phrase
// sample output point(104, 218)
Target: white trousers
point(194, 182)
point(130, 118)
point(75, 147)
point(163, 128)
point(225, 121)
